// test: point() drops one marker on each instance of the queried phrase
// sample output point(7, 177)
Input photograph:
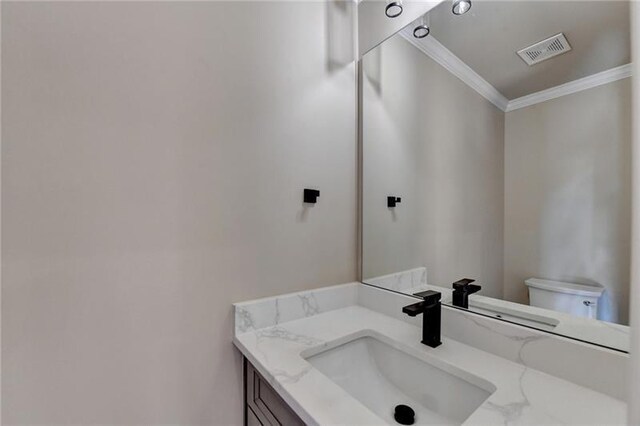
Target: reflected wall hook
point(311, 195)
point(392, 201)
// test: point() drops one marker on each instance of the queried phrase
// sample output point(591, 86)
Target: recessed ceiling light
point(421, 27)
point(393, 9)
point(460, 7)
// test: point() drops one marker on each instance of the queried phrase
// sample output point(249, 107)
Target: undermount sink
point(381, 377)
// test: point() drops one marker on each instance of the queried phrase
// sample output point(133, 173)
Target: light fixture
point(421, 28)
point(460, 7)
point(393, 9)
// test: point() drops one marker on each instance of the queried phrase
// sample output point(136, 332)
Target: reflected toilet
point(572, 298)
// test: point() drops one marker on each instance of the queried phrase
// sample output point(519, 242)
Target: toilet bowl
point(575, 299)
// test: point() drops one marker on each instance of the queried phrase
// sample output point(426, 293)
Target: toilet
point(576, 299)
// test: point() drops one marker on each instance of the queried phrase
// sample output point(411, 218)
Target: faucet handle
point(472, 288)
point(415, 309)
point(462, 284)
point(430, 297)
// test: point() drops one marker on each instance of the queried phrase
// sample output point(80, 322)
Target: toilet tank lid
point(594, 290)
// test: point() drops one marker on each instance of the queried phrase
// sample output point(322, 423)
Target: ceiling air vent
point(545, 49)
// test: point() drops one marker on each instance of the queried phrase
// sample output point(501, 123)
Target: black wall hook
point(392, 201)
point(311, 195)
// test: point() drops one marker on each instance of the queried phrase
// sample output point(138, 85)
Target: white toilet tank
point(575, 299)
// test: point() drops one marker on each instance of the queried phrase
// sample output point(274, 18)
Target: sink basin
point(382, 376)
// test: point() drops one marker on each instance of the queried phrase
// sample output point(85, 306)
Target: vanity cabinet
point(263, 406)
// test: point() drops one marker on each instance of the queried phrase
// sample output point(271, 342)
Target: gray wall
point(568, 194)
point(154, 156)
point(438, 144)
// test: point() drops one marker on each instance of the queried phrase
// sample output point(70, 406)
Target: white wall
point(567, 194)
point(447, 169)
point(154, 156)
point(634, 373)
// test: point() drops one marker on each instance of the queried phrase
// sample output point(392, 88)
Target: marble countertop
point(272, 337)
point(587, 329)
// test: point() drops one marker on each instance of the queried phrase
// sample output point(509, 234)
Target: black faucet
point(430, 309)
point(461, 291)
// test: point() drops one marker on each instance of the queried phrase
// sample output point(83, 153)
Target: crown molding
point(584, 83)
point(443, 56)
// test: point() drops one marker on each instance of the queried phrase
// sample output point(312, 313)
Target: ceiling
point(487, 37)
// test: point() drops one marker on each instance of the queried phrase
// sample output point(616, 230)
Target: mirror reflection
point(496, 163)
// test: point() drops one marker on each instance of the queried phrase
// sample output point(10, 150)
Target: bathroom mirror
point(497, 149)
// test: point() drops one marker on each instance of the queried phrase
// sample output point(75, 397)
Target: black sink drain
point(404, 414)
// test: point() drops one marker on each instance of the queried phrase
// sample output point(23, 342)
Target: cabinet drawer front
point(266, 404)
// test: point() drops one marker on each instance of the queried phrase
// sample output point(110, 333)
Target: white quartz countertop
point(604, 333)
point(523, 395)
